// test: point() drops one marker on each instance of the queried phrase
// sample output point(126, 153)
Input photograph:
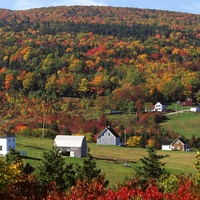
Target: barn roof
point(180, 139)
point(6, 134)
point(68, 141)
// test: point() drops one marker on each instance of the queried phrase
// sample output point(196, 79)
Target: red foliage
point(95, 137)
point(85, 190)
point(19, 127)
point(102, 120)
point(97, 50)
point(25, 188)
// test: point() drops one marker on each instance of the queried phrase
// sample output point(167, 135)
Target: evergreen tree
point(143, 140)
point(13, 157)
point(67, 132)
point(88, 170)
point(53, 169)
point(151, 166)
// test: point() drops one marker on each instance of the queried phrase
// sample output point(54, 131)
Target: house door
point(71, 153)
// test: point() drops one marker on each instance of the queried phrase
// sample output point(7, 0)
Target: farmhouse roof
point(108, 129)
point(6, 134)
point(68, 141)
point(180, 139)
point(168, 142)
point(113, 131)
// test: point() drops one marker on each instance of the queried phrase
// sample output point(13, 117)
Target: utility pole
point(43, 122)
point(125, 138)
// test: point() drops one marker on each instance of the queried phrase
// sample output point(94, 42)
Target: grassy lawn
point(186, 124)
point(110, 159)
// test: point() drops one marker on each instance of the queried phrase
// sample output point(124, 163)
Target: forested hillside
point(57, 59)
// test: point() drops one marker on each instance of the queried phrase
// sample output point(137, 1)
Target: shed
point(7, 142)
point(108, 137)
point(195, 109)
point(166, 145)
point(187, 102)
point(76, 146)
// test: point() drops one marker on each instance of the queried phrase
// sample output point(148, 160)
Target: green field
point(186, 123)
point(110, 159)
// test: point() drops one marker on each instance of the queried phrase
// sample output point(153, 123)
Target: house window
point(178, 147)
point(108, 134)
point(9, 140)
point(1, 148)
point(13, 140)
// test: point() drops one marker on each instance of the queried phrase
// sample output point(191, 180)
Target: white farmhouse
point(7, 142)
point(158, 107)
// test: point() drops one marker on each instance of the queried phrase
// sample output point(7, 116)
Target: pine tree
point(143, 140)
point(13, 157)
point(88, 171)
point(151, 166)
point(53, 169)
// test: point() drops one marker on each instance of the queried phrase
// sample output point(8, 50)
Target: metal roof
point(68, 141)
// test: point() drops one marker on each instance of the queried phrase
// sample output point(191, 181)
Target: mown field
point(110, 159)
point(186, 123)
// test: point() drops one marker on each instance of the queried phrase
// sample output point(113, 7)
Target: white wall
point(6, 144)
point(166, 147)
point(3, 146)
point(195, 109)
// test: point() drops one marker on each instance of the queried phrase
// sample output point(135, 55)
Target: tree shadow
point(31, 158)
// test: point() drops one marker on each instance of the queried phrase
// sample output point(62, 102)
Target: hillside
point(60, 60)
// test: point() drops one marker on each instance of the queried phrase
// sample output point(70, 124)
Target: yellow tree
point(133, 141)
point(9, 174)
point(28, 80)
point(83, 86)
point(97, 83)
point(151, 142)
point(50, 85)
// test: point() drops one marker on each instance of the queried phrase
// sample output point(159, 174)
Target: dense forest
point(61, 59)
point(58, 62)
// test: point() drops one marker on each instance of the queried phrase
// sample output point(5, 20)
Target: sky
point(188, 6)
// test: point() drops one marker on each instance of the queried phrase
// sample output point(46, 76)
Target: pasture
point(186, 123)
point(110, 159)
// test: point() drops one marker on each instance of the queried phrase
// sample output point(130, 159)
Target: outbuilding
point(195, 109)
point(74, 146)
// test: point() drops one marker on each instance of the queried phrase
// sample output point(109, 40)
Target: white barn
point(7, 142)
point(76, 146)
